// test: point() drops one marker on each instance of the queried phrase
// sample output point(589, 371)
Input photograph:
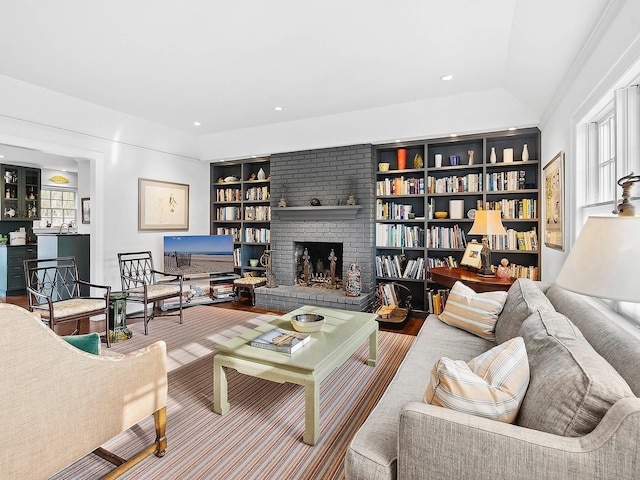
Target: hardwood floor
point(410, 328)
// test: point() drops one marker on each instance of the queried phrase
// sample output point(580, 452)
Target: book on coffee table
point(281, 340)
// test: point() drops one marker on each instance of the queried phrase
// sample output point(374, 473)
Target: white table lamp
point(487, 222)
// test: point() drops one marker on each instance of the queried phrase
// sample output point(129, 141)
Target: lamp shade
point(487, 222)
point(604, 261)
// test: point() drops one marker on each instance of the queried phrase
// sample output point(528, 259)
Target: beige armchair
point(60, 403)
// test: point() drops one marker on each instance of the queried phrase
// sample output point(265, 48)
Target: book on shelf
point(437, 299)
point(280, 340)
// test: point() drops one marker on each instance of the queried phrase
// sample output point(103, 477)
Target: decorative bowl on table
point(441, 215)
point(307, 322)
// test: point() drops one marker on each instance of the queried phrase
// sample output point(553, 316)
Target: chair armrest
point(93, 285)
point(177, 276)
point(436, 442)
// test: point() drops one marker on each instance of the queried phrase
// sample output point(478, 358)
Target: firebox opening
point(319, 271)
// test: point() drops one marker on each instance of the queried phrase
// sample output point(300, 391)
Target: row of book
point(391, 266)
point(228, 195)
point(436, 299)
point(392, 210)
point(449, 261)
point(446, 237)
point(400, 186)
point(257, 235)
point(261, 213)
point(455, 184)
point(394, 235)
point(237, 257)
point(257, 193)
point(520, 271)
point(233, 231)
point(515, 240)
point(387, 294)
point(524, 208)
point(228, 213)
point(511, 180)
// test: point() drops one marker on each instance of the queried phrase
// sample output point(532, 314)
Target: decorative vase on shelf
point(525, 153)
point(261, 174)
point(492, 157)
point(402, 159)
point(470, 153)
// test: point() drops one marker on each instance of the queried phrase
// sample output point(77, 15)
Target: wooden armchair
point(60, 403)
point(140, 280)
point(54, 291)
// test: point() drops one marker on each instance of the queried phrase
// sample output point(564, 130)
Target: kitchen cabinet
point(20, 193)
point(12, 280)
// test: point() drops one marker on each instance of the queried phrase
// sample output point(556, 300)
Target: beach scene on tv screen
point(198, 254)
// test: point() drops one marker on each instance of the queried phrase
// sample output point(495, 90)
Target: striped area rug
point(261, 436)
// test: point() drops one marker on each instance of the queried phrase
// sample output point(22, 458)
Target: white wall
point(116, 150)
point(616, 51)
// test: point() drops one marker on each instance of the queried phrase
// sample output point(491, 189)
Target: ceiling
point(228, 64)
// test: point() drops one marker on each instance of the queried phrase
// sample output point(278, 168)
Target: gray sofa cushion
point(571, 386)
point(524, 299)
point(602, 329)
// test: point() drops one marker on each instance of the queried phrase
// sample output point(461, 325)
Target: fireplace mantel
point(330, 212)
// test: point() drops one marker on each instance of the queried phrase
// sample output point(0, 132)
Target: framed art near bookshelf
point(554, 202)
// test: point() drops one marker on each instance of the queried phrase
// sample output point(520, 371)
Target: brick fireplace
point(324, 174)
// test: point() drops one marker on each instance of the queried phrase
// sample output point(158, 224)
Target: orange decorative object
point(402, 159)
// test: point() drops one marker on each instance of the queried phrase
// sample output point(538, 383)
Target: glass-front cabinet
point(20, 193)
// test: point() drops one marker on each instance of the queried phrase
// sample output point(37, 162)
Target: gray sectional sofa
point(572, 423)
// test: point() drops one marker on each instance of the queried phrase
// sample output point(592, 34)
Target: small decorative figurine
point(503, 270)
point(470, 153)
point(417, 161)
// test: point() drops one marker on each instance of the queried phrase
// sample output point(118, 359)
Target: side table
point(447, 277)
point(248, 284)
point(118, 330)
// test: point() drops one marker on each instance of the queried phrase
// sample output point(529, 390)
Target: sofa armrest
point(438, 443)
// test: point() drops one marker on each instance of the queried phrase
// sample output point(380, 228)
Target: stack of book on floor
point(222, 291)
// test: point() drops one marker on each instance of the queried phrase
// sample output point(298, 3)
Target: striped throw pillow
point(491, 385)
point(476, 313)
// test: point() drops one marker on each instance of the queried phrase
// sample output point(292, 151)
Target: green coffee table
point(342, 334)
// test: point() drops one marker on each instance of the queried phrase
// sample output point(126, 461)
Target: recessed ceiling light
point(513, 128)
point(446, 78)
point(277, 109)
point(2, 156)
point(197, 124)
point(453, 135)
point(397, 141)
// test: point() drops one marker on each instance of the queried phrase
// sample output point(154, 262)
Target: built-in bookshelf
point(240, 206)
point(458, 176)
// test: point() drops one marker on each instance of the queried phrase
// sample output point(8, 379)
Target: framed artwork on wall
point(162, 205)
point(85, 204)
point(554, 202)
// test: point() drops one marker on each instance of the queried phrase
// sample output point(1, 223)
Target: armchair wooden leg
point(160, 420)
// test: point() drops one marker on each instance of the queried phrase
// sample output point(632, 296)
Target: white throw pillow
point(476, 313)
point(491, 385)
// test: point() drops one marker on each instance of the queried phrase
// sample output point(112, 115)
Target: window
point(601, 159)
point(609, 144)
point(57, 207)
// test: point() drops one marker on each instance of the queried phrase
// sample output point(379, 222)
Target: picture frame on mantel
point(85, 205)
point(162, 205)
point(554, 202)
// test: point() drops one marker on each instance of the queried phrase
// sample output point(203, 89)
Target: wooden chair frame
point(139, 277)
point(53, 289)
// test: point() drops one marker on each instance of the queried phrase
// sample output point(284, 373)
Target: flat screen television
point(194, 255)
